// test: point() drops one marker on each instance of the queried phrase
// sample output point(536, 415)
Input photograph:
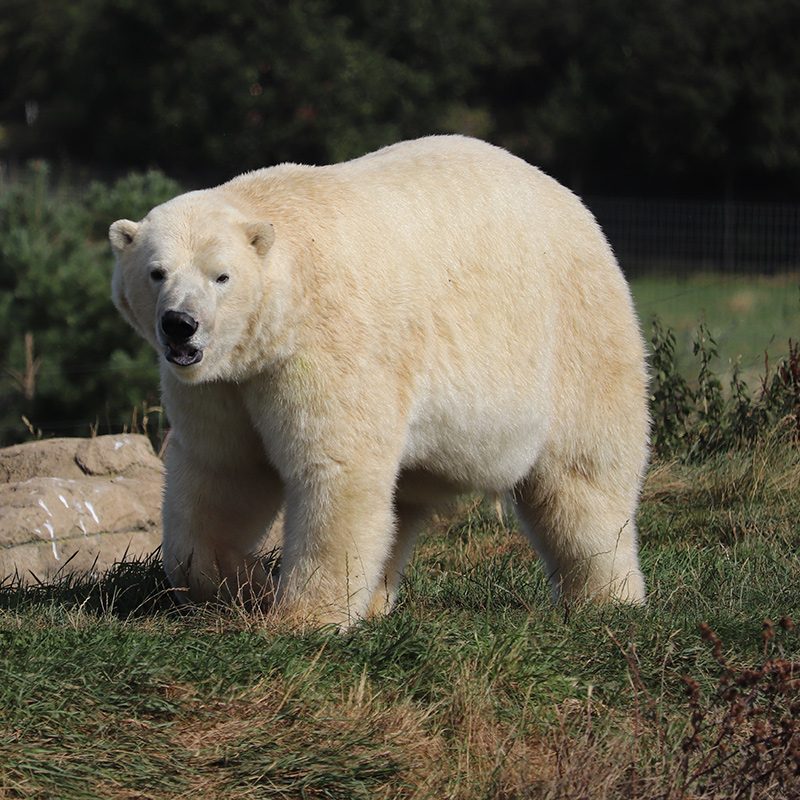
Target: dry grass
point(475, 687)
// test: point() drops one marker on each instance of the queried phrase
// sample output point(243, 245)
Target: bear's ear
point(261, 235)
point(122, 233)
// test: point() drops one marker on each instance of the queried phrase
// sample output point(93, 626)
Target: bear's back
point(446, 192)
point(447, 171)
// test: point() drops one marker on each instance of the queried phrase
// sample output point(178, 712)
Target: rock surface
point(77, 505)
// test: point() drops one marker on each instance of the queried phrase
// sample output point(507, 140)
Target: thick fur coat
point(361, 342)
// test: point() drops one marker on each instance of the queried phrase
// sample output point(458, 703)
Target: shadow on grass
point(132, 587)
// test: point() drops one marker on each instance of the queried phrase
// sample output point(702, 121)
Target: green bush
point(68, 362)
point(694, 421)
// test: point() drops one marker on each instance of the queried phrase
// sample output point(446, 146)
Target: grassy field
point(748, 316)
point(476, 687)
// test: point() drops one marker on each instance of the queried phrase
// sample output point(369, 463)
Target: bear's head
point(190, 278)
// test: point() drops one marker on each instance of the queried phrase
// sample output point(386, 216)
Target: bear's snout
point(178, 326)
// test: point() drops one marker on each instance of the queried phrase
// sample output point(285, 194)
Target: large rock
point(77, 504)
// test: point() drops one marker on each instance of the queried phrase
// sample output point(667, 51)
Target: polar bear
point(361, 342)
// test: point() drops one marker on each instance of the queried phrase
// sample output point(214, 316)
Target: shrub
point(68, 361)
point(671, 399)
point(743, 738)
point(694, 421)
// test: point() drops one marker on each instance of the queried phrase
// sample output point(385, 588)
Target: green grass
point(748, 316)
point(475, 687)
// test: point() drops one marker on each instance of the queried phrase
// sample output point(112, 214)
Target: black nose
point(178, 326)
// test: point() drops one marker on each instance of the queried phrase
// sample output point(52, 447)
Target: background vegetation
point(610, 96)
point(661, 97)
point(70, 365)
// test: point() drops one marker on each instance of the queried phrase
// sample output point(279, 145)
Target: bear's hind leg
point(582, 524)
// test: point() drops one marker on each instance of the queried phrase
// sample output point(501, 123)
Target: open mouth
point(184, 355)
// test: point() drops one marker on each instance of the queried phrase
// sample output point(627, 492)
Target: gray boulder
point(77, 505)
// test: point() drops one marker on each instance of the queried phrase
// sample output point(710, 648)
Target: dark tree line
point(661, 96)
point(610, 96)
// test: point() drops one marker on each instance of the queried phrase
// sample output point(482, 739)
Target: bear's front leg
point(338, 535)
point(215, 523)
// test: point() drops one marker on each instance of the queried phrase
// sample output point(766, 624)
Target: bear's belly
point(476, 448)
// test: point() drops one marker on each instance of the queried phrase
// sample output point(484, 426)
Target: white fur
point(433, 317)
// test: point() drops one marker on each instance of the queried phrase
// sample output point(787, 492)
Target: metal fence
point(685, 237)
point(649, 236)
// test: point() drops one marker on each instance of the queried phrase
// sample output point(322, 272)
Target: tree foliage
point(207, 87)
point(657, 96)
point(645, 95)
point(67, 360)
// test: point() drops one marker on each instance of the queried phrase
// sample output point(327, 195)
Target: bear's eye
point(223, 278)
point(157, 275)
